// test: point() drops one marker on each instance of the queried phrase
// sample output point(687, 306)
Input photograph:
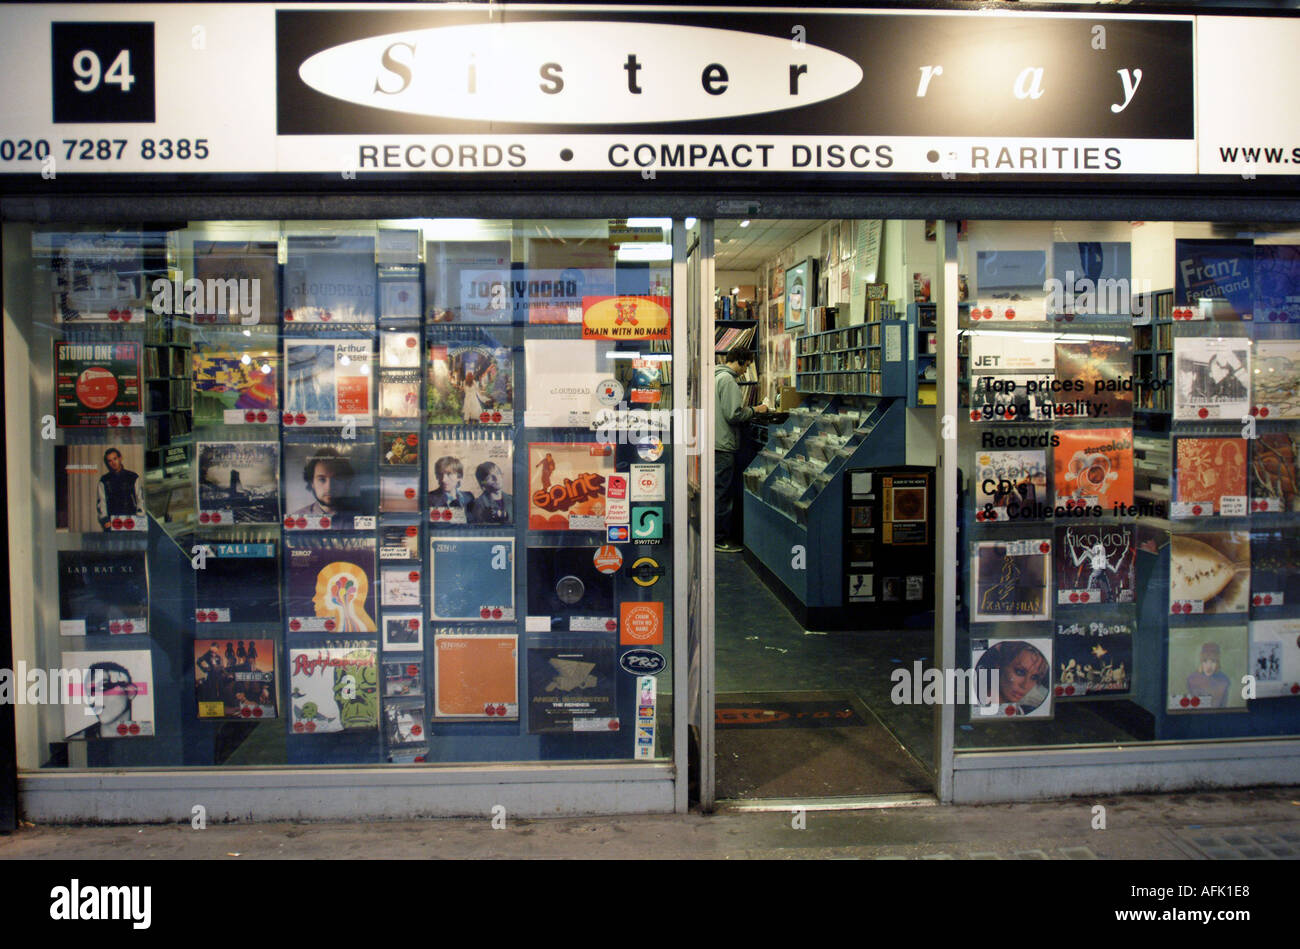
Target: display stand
point(794, 499)
point(888, 522)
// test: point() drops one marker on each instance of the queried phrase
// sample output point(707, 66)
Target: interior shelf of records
point(871, 358)
point(922, 340)
point(367, 495)
point(1153, 348)
point(794, 488)
point(729, 334)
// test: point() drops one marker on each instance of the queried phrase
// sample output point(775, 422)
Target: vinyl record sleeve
point(239, 583)
point(399, 349)
point(399, 297)
point(97, 277)
point(399, 394)
point(1011, 376)
point(1095, 563)
point(399, 542)
point(113, 694)
point(328, 382)
point(329, 485)
point(564, 377)
point(1010, 485)
point(1212, 378)
point(103, 592)
point(572, 689)
point(403, 632)
point(1275, 472)
point(1206, 664)
point(97, 385)
point(465, 281)
point(471, 480)
point(399, 493)
point(234, 384)
point(399, 448)
point(1010, 580)
point(1209, 477)
point(330, 584)
point(235, 679)
point(399, 586)
point(1024, 668)
point(404, 723)
point(1215, 278)
point(1277, 378)
point(1093, 658)
point(1209, 572)
point(1093, 278)
point(566, 482)
point(334, 688)
point(1274, 572)
point(239, 482)
point(473, 579)
point(1093, 467)
point(1092, 376)
point(329, 280)
point(476, 676)
point(403, 676)
point(1277, 283)
point(99, 492)
point(1275, 658)
point(470, 381)
point(255, 268)
point(564, 582)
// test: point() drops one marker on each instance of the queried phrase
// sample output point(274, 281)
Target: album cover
point(329, 485)
point(1010, 580)
point(1023, 670)
point(565, 582)
point(238, 582)
point(399, 448)
point(571, 689)
point(1206, 664)
point(1277, 377)
point(862, 588)
point(399, 586)
point(465, 281)
point(399, 542)
point(1009, 285)
point(566, 485)
point(404, 632)
point(399, 296)
point(1277, 283)
point(476, 676)
point(1209, 572)
point(570, 382)
point(331, 584)
point(1094, 279)
point(1093, 466)
point(1093, 658)
point(1275, 472)
point(103, 592)
point(399, 349)
point(239, 482)
point(904, 513)
point(471, 381)
point(403, 676)
point(234, 678)
point(255, 268)
point(471, 480)
point(399, 393)
point(96, 382)
point(1211, 378)
point(1209, 477)
point(98, 278)
point(550, 295)
point(236, 384)
point(329, 382)
point(1095, 372)
point(334, 688)
point(101, 488)
point(404, 723)
point(1274, 571)
point(1010, 485)
point(329, 280)
point(1275, 657)
point(111, 696)
point(399, 493)
point(1012, 376)
point(1095, 563)
point(1216, 278)
point(647, 386)
point(473, 578)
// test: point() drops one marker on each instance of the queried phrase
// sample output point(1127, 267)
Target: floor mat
point(807, 744)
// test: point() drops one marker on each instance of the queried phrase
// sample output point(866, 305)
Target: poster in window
point(239, 483)
point(111, 696)
point(1206, 664)
point(1211, 378)
point(234, 679)
point(100, 487)
point(1093, 658)
point(1095, 563)
point(329, 485)
point(471, 481)
point(329, 280)
point(334, 688)
point(236, 384)
point(473, 579)
point(566, 482)
point(470, 381)
point(331, 584)
point(97, 385)
point(1214, 279)
point(1209, 572)
point(103, 592)
point(572, 688)
point(97, 276)
point(328, 382)
point(476, 676)
point(1023, 670)
point(1010, 580)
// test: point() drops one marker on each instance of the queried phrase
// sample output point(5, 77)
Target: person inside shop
point(731, 413)
point(330, 478)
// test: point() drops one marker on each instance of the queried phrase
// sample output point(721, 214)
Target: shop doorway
point(805, 635)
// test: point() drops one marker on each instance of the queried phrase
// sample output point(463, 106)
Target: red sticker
point(412, 440)
point(128, 627)
point(410, 493)
point(324, 522)
point(412, 624)
point(129, 523)
point(1263, 412)
point(1010, 314)
point(257, 712)
point(414, 576)
point(250, 416)
point(417, 730)
point(261, 416)
point(246, 711)
point(329, 626)
point(115, 627)
point(288, 316)
point(295, 625)
point(496, 612)
point(297, 726)
point(121, 729)
point(1044, 547)
point(1204, 413)
point(302, 523)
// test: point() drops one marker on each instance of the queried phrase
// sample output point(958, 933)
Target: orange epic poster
point(1093, 467)
point(476, 676)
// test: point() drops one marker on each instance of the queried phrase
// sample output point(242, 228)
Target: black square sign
point(103, 72)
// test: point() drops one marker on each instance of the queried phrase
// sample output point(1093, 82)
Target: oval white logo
point(579, 73)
